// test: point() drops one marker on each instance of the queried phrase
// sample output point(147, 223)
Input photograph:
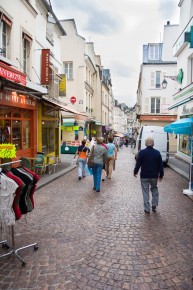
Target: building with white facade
point(183, 51)
point(152, 99)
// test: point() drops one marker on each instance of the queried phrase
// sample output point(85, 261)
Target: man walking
point(150, 161)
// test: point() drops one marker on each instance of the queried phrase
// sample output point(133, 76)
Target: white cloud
point(119, 29)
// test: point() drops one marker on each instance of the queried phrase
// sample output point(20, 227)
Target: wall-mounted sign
point(73, 99)
point(180, 76)
point(81, 102)
point(62, 86)
point(45, 66)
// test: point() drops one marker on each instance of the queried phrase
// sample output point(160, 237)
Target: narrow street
point(90, 240)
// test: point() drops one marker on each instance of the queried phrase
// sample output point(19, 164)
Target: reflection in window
point(5, 112)
point(16, 134)
point(26, 134)
point(185, 144)
point(27, 114)
point(5, 128)
point(17, 114)
point(48, 129)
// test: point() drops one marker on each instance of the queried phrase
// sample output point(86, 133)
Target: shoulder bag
point(90, 161)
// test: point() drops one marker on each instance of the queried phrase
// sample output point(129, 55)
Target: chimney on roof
point(168, 22)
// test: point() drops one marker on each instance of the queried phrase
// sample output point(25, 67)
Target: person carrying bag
point(82, 153)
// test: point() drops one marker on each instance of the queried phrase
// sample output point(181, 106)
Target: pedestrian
point(111, 157)
point(150, 161)
point(100, 153)
point(82, 153)
point(104, 174)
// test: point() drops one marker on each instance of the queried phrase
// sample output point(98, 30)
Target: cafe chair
point(39, 164)
point(25, 162)
point(52, 162)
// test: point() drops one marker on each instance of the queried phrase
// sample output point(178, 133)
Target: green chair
point(25, 162)
point(39, 165)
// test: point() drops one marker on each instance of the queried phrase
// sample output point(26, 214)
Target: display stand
point(4, 243)
point(189, 191)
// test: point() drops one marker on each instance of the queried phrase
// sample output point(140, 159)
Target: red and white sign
point(12, 74)
point(73, 99)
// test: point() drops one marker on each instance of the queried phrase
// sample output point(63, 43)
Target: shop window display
point(185, 144)
point(48, 137)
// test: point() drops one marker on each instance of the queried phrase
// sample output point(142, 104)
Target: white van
point(161, 141)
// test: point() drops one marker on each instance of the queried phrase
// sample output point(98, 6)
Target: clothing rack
point(4, 243)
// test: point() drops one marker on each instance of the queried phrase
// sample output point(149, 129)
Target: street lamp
point(165, 83)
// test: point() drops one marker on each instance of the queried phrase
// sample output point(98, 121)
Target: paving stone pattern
point(90, 240)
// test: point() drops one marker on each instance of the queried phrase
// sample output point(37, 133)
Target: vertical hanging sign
point(62, 86)
point(45, 66)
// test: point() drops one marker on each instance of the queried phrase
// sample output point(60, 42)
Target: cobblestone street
point(90, 240)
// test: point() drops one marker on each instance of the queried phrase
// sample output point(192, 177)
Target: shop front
point(18, 122)
point(48, 128)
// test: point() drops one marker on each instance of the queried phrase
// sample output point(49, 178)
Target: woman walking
point(82, 153)
point(99, 152)
point(111, 157)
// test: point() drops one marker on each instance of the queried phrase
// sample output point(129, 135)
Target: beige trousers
point(109, 165)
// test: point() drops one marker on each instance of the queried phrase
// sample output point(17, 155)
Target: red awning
point(12, 74)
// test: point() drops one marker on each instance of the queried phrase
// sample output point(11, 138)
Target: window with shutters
point(68, 70)
point(155, 105)
point(5, 30)
point(156, 79)
point(26, 45)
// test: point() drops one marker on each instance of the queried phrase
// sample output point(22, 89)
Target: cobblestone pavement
point(90, 240)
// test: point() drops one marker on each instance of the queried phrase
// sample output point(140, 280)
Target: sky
point(118, 29)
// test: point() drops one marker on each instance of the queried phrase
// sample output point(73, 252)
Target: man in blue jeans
point(150, 161)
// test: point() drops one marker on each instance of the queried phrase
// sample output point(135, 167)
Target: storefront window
point(17, 114)
point(5, 130)
point(26, 135)
point(185, 144)
point(16, 134)
point(48, 137)
point(5, 112)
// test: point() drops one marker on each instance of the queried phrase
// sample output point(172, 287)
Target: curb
point(180, 172)
point(55, 176)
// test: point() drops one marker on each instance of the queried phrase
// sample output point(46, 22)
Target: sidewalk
point(179, 166)
point(62, 168)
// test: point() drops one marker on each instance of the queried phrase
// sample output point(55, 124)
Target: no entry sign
point(73, 99)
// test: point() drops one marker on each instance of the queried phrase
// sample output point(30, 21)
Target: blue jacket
point(150, 161)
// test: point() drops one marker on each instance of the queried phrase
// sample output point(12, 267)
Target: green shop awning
point(68, 122)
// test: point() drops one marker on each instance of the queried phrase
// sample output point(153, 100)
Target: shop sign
point(7, 150)
point(62, 86)
point(12, 74)
point(17, 100)
point(45, 66)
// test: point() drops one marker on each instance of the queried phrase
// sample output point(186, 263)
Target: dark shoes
point(153, 208)
point(96, 190)
point(147, 211)
point(79, 178)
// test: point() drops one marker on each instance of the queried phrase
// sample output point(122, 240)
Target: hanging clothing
point(7, 191)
